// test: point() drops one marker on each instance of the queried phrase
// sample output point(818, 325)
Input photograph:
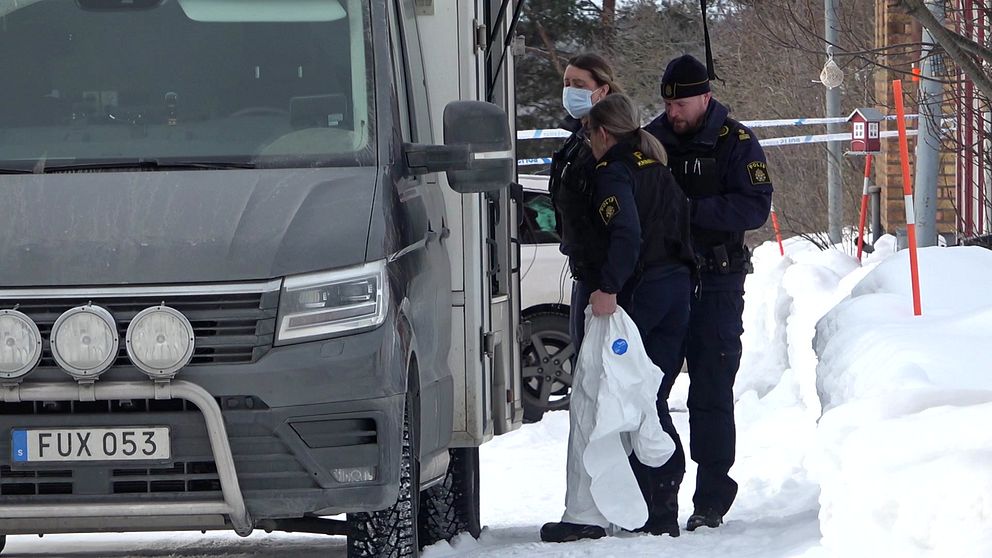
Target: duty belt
point(721, 262)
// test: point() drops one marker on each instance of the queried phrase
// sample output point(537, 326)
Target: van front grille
point(34, 483)
point(230, 328)
point(180, 477)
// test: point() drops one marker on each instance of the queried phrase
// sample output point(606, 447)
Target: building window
point(859, 130)
point(873, 130)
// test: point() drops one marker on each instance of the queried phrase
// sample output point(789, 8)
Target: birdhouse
point(865, 137)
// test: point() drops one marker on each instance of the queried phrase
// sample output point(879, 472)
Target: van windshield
point(185, 84)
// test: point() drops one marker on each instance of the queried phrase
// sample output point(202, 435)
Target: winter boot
point(663, 510)
point(568, 532)
point(704, 518)
point(659, 528)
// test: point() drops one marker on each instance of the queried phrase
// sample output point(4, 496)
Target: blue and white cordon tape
point(767, 142)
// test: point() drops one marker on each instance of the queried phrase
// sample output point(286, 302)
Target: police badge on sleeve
point(609, 209)
point(758, 171)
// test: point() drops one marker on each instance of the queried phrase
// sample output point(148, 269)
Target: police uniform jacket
point(723, 170)
point(570, 186)
point(640, 221)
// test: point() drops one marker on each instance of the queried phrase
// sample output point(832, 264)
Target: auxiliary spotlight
point(85, 341)
point(20, 345)
point(160, 341)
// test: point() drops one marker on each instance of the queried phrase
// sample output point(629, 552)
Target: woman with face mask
point(588, 79)
point(636, 254)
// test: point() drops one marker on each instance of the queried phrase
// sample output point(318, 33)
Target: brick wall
point(893, 26)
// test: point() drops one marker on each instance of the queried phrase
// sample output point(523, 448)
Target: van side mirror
point(477, 154)
point(482, 129)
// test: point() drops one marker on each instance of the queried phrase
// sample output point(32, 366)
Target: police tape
point(542, 134)
point(526, 162)
point(767, 142)
point(822, 138)
point(806, 121)
point(559, 133)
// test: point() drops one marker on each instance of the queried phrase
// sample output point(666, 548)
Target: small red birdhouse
point(865, 136)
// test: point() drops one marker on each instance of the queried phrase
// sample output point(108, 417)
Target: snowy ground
point(862, 431)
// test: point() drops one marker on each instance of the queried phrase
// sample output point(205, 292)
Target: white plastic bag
point(613, 408)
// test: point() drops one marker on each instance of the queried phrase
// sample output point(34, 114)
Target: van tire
point(452, 506)
point(392, 532)
point(551, 329)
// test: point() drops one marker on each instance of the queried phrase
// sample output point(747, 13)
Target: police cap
point(684, 77)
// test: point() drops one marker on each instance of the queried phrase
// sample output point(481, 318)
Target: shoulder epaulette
point(735, 128)
point(642, 161)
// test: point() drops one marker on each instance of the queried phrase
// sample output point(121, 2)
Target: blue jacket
point(723, 170)
point(641, 220)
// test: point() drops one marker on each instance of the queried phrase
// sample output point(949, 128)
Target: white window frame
point(873, 130)
point(859, 130)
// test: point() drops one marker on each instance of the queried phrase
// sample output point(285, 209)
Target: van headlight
point(20, 344)
point(328, 303)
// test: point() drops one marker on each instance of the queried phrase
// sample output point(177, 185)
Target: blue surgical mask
point(578, 102)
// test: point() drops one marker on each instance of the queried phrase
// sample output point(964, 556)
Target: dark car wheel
point(392, 532)
point(452, 506)
point(546, 361)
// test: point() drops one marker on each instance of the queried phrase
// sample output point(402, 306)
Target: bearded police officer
point(718, 163)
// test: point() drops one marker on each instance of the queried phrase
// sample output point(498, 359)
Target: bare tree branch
point(951, 43)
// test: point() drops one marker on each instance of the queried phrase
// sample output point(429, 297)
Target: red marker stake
point(907, 189)
point(778, 232)
point(864, 208)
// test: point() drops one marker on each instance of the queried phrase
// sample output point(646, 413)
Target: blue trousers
point(660, 309)
point(713, 355)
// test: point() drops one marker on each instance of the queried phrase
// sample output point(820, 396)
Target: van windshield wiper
point(145, 164)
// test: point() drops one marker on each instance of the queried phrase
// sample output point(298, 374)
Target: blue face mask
point(578, 102)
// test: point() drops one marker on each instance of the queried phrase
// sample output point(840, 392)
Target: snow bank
point(904, 449)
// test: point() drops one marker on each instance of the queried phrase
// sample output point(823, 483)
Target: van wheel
point(452, 506)
point(392, 532)
point(546, 361)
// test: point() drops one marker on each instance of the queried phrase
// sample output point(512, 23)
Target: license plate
point(90, 444)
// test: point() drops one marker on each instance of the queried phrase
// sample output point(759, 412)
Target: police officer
point(588, 79)
point(723, 170)
point(636, 253)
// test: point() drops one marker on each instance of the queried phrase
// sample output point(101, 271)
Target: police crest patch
point(758, 172)
point(724, 131)
point(609, 209)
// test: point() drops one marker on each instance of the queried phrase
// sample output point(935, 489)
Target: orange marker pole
point(778, 231)
point(864, 208)
point(907, 189)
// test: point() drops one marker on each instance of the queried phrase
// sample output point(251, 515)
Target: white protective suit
point(612, 410)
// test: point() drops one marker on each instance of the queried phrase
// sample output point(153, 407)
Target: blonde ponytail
point(651, 147)
point(616, 114)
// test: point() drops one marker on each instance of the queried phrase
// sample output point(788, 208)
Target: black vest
point(701, 171)
point(571, 189)
point(663, 213)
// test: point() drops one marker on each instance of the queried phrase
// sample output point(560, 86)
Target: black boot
point(663, 510)
point(568, 532)
point(659, 528)
point(704, 518)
